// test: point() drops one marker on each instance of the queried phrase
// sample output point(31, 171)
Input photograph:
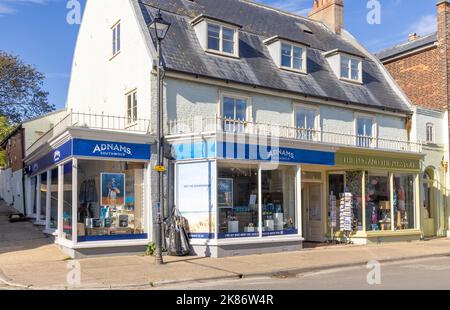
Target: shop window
point(336, 187)
point(43, 193)
point(67, 201)
point(278, 201)
point(237, 197)
point(33, 194)
point(111, 199)
point(404, 201)
point(378, 202)
point(351, 203)
point(54, 199)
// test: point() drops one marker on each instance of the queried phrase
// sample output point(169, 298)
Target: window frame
point(304, 57)
point(350, 59)
point(221, 52)
point(429, 136)
point(374, 136)
point(117, 40)
point(248, 113)
point(130, 121)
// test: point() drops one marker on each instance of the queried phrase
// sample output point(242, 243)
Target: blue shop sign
point(54, 157)
point(227, 150)
point(109, 149)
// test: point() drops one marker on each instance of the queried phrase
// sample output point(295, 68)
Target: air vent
point(305, 28)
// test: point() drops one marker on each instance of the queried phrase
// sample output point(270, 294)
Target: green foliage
point(151, 248)
point(5, 129)
point(21, 90)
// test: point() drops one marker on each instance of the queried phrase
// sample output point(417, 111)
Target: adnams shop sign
point(111, 149)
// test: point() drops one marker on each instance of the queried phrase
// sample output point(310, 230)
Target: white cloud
point(424, 25)
point(10, 6)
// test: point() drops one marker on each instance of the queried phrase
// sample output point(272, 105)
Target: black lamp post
point(158, 29)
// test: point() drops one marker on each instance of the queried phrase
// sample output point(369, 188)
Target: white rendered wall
point(99, 82)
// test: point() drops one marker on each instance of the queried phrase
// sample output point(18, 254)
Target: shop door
point(312, 212)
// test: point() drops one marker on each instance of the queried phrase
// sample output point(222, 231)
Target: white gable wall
point(99, 81)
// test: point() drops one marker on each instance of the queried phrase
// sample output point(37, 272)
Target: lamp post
point(159, 28)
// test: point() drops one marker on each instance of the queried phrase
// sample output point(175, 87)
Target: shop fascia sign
point(101, 148)
point(364, 161)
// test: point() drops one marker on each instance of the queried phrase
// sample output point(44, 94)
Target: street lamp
point(158, 29)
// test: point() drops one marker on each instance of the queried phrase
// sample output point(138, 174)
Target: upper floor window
point(305, 122)
point(222, 39)
point(364, 131)
point(132, 107)
point(430, 133)
point(351, 68)
point(116, 39)
point(293, 57)
point(234, 112)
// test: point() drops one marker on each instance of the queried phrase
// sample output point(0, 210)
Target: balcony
point(214, 125)
point(92, 121)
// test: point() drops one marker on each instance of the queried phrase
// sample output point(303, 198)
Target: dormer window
point(217, 36)
point(288, 55)
point(351, 68)
point(221, 39)
point(292, 57)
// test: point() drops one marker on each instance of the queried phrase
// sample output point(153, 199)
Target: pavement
point(29, 260)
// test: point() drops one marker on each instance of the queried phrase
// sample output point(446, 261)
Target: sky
point(38, 32)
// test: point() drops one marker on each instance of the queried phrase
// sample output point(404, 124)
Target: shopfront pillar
point(48, 199)
point(60, 201)
point(363, 195)
point(260, 202)
point(38, 199)
point(74, 200)
point(298, 202)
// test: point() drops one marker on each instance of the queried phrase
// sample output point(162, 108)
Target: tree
point(21, 90)
point(5, 129)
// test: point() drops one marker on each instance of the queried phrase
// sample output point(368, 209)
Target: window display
point(237, 191)
point(110, 200)
point(378, 202)
point(67, 203)
point(354, 186)
point(54, 199)
point(404, 201)
point(278, 202)
point(43, 190)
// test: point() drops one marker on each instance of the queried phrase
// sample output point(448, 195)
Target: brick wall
point(419, 76)
point(14, 151)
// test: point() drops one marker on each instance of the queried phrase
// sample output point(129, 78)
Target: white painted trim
point(48, 199)
point(221, 25)
point(304, 48)
point(317, 120)
point(74, 201)
point(60, 213)
point(235, 95)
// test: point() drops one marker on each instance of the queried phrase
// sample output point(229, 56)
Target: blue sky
point(37, 31)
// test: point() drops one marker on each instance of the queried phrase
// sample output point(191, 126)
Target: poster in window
point(225, 192)
point(112, 189)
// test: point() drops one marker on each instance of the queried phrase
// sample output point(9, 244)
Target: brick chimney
point(330, 12)
point(443, 34)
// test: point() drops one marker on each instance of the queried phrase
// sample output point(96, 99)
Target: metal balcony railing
point(92, 121)
point(214, 125)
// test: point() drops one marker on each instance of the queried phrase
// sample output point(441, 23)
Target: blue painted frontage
point(91, 148)
point(228, 150)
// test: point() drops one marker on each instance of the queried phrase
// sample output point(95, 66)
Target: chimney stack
point(330, 12)
point(413, 37)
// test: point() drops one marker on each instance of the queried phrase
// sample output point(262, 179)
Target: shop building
point(421, 67)
point(276, 133)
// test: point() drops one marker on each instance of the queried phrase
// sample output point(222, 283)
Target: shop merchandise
point(346, 212)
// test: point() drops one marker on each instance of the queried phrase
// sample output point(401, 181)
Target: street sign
point(160, 168)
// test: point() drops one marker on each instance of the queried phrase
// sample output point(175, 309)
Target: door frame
point(305, 217)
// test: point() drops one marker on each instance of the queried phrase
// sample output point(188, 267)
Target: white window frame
point(304, 57)
point(248, 112)
point(350, 59)
point(220, 51)
point(374, 128)
point(134, 118)
point(429, 134)
point(116, 39)
point(317, 126)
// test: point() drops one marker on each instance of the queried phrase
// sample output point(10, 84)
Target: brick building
point(421, 67)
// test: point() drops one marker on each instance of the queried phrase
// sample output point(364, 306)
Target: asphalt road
point(424, 274)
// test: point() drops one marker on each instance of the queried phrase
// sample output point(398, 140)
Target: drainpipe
point(22, 138)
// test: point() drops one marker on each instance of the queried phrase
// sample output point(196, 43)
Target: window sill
point(294, 70)
point(218, 53)
point(357, 82)
point(114, 56)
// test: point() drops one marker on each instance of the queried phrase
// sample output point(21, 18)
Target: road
point(423, 274)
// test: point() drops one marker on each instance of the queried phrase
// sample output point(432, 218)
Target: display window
point(110, 200)
point(378, 201)
point(351, 202)
point(43, 196)
point(404, 203)
point(237, 198)
point(54, 199)
point(278, 201)
point(67, 203)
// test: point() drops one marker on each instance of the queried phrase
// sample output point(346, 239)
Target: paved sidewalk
point(35, 263)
